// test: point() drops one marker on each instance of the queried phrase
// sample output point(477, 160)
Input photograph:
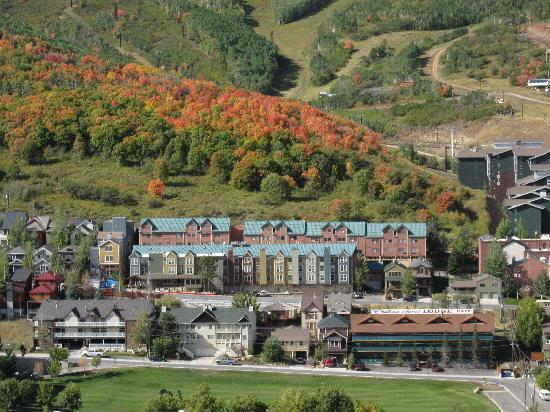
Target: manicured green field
point(130, 389)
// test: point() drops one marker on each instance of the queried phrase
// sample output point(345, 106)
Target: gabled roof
point(11, 217)
point(46, 277)
point(21, 275)
point(39, 223)
point(292, 334)
point(129, 309)
point(42, 289)
point(18, 250)
point(314, 296)
point(530, 179)
point(178, 224)
point(339, 302)
point(333, 321)
point(68, 249)
point(416, 263)
point(254, 227)
point(354, 228)
point(420, 323)
point(217, 314)
point(393, 264)
point(48, 247)
point(377, 229)
point(515, 203)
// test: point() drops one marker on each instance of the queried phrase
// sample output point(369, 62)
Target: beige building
point(295, 341)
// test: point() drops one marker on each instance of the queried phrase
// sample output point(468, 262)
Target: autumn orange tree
point(156, 188)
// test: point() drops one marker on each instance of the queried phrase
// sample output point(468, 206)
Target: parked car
point(262, 293)
point(91, 353)
point(544, 394)
point(413, 367)
point(357, 295)
point(437, 368)
point(300, 361)
point(360, 367)
point(329, 363)
point(227, 361)
point(409, 299)
point(157, 358)
point(466, 301)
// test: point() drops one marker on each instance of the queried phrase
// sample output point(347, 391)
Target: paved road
point(510, 400)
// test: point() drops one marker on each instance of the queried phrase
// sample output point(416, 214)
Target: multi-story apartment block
point(380, 241)
point(98, 324)
point(163, 266)
point(185, 231)
point(246, 265)
point(210, 331)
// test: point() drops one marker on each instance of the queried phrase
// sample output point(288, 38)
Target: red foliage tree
point(156, 188)
point(341, 208)
point(444, 202)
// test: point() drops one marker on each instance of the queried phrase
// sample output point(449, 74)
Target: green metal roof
point(254, 227)
point(415, 229)
point(177, 224)
point(303, 249)
point(316, 228)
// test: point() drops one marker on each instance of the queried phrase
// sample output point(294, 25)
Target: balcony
point(89, 324)
point(107, 334)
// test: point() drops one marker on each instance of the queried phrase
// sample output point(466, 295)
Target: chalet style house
point(184, 231)
point(95, 324)
point(312, 308)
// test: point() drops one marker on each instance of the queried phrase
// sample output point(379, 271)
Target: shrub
point(275, 188)
point(290, 10)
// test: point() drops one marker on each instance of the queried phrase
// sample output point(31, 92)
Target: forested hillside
point(56, 105)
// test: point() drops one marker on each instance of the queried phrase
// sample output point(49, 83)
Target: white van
point(544, 394)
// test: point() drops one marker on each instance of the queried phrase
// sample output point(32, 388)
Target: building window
point(189, 270)
point(375, 250)
point(279, 268)
point(171, 270)
point(135, 271)
point(108, 248)
point(343, 259)
point(343, 277)
point(343, 268)
point(135, 261)
point(311, 277)
point(171, 261)
point(109, 258)
point(189, 261)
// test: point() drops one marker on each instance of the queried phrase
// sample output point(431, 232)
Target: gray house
point(486, 288)
point(9, 219)
point(339, 303)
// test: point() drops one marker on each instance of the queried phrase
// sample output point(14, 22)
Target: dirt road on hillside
point(69, 12)
point(434, 71)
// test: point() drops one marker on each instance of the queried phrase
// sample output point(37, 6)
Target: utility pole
point(452, 130)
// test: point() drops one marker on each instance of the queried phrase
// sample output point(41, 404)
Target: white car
point(91, 353)
point(544, 394)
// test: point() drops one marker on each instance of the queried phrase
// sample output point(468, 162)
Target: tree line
point(290, 10)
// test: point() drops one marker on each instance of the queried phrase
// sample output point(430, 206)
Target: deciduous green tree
point(45, 395)
point(541, 284)
point(245, 300)
point(529, 319)
point(60, 231)
point(275, 189)
point(207, 271)
point(408, 284)
point(504, 228)
point(521, 230)
point(272, 350)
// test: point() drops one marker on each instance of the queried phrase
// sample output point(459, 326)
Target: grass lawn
point(141, 384)
point(16, 332)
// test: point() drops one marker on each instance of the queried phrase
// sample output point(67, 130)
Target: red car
point(359, 367)
point(329, 363)
point(437, 368)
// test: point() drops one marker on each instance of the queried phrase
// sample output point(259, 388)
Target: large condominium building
point(380, 241)
point(245, 265)
point(101, 324)
point(184, 231)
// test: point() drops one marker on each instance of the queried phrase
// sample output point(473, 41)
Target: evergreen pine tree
point(491, 358)
point(399, 359)
point(475, 345)
point(460, 348)
point(445, 356)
